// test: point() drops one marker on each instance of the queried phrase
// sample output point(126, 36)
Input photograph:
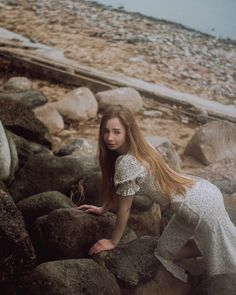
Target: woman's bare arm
point(124, 206)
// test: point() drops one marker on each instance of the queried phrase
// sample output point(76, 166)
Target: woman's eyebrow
point(114, 129)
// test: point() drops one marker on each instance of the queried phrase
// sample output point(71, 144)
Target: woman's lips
point(110, 145)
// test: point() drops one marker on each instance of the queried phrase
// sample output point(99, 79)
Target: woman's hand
point(101, 245)
point(92, 209)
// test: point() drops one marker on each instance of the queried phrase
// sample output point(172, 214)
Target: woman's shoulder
point(127, 162)
point(127, 167)
point(126, 158)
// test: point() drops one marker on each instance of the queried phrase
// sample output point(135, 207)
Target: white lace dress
point(201, 216)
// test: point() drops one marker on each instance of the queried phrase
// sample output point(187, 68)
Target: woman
point(130, 165)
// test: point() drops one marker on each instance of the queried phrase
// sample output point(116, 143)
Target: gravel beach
point(128, 43)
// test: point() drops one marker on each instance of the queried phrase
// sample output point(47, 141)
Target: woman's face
point(115, 136)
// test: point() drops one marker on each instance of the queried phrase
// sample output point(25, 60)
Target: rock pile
point(44, 237)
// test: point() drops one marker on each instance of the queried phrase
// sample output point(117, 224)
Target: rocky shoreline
point(45, 238)
point(137, 46)
point(48, 149)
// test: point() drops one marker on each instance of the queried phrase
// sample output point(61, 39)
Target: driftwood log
point(43, 61)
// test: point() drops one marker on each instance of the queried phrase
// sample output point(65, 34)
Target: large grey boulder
point(17, 251)
point(76, 233)
point(50, 117)
point(165, 147)
point(213, 142)
point(125, 96)
point(79, 104)
point(71, 276)
point(5, 155)
point(8, 155)
point(14, 157)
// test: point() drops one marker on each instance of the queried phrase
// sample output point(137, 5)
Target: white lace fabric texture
point(200, 215)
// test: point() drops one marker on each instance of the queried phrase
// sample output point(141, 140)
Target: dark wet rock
point(132, 263)
point(145, 222)
point(71, 276)
point(76, 233)
point(39, 149)
point(3, 187)
point(224, 284)
point(30, 98)
point(42, 204)
point(69, 175)
point(91, 182)
point(25, 149)
point(17, 252)
point(19, 119)
point(91, 175)
point(141, 203)
point(45, 172)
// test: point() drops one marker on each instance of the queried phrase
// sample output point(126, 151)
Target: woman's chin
point(111, 147)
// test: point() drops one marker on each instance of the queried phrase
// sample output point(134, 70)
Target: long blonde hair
point(167, 179)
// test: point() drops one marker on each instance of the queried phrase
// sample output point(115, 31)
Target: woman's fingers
point(101, 245)
point(91, 209)
point(83, 207)
point(95, 249)
point(88, 208)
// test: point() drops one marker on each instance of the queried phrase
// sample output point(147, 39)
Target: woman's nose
point(110, 137)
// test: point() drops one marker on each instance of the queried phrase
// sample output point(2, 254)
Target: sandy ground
point(140, 47)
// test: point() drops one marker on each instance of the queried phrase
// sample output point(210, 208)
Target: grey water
point(213, 17)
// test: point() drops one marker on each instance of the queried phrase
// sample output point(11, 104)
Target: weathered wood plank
point(35, 60)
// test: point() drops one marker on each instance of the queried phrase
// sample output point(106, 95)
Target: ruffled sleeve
point(129, 174)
